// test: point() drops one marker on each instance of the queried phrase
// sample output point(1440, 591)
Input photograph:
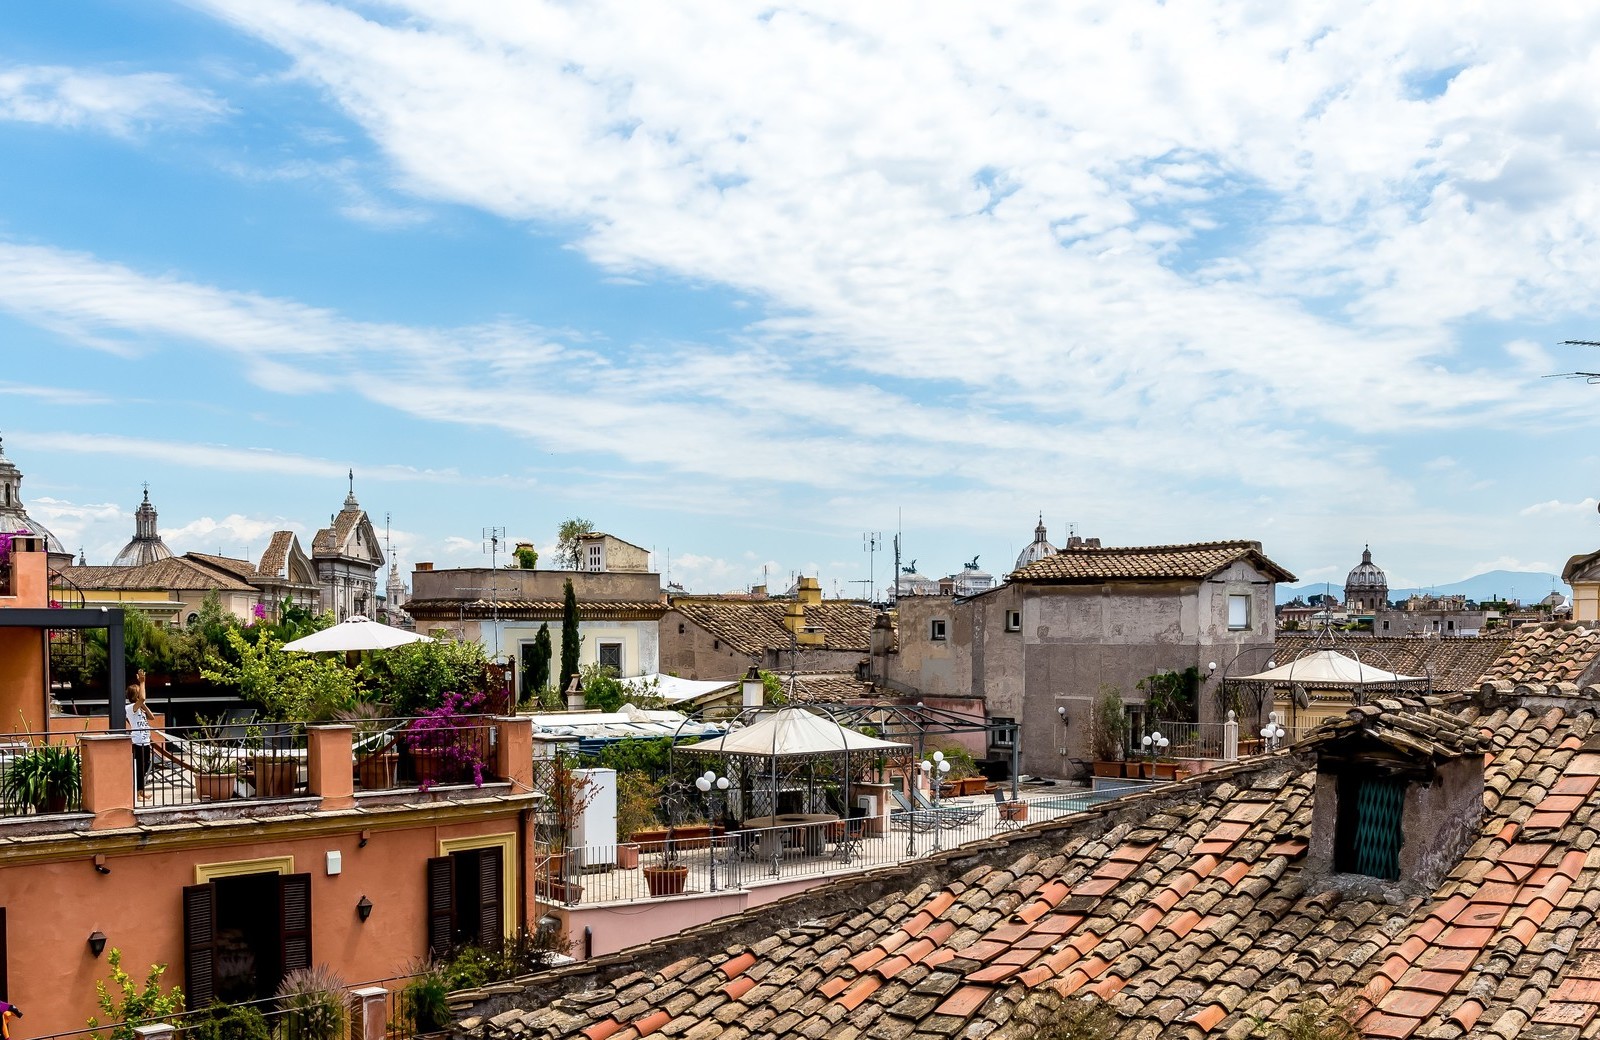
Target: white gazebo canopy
point(1328, 666)
point(794, 732)
point(355, 633)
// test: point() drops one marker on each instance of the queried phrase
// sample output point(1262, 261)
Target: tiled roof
point(1416, 725)
point(1187, 910)
point(533, 609)
point(241, 569)
point(175, 573)
point(1456, 664)
point(1193, 562)
point(1548, 653)
point(753, 627)
point(828, 688)
point(275, 560)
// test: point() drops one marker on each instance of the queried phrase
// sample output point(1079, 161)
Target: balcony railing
point(40, 774)
point(710, 860)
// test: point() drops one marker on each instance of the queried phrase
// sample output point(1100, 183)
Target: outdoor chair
point(959, 813)
point(918, 819)
point(1008, 820)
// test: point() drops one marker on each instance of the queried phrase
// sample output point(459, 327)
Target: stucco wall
point(52, 907)
point(471, 583)
point(640, 642)
point(1073, 639)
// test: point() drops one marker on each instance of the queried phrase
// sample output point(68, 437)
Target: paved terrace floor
point(745, 860)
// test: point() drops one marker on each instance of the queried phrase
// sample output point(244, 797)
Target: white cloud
point(1587, 505)
point(119, 103)
point(242, 537)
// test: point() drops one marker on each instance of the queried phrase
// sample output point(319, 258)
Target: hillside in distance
point(1527, 586)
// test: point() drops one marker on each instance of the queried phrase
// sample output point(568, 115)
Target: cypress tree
point(538, 673)
point(569, 637)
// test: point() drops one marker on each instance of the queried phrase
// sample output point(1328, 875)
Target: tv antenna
point(871, 542)
point(1587, 377)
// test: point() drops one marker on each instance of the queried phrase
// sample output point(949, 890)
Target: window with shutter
point(199, 945)
point(1369, 836)
point(491, 935)
point(294, 916)
point(441, 905)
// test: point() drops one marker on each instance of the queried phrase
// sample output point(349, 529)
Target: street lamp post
point(708, 783)
point(1272, 733)
point(1155, 744)
point(935, 771)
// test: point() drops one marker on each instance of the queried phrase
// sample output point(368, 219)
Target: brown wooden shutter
point(294, 909)
point(199, 945)
point(5, 987)
point(491, 915)
point(441, 906)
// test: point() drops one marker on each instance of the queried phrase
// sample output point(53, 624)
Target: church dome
point(1367, 575)
point(1037, 549)
point(147, 546)
point(14, 518)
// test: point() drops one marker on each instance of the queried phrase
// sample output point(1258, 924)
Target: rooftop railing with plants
point(39, 774)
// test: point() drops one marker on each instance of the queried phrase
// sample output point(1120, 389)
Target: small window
point(1386, 626)
point(936, 629)
point(1238, 612)
point(1368, 835)
point(611, 656)
point(596, 558)
point(1001, 730)
point(1013, 621)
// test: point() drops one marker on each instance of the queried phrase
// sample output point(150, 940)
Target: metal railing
point(1185, 740)
point(219, 762)
point(424, 753)
point(40, 774)
point(702, 864)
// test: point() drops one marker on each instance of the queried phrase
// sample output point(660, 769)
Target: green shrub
point(126, 1004)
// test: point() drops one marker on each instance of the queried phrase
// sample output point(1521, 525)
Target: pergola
point(798, 746)
point(108, 618)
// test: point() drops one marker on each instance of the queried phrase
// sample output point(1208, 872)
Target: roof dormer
point(1399, 795)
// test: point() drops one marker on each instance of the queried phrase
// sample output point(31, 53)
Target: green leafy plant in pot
point(45, 778)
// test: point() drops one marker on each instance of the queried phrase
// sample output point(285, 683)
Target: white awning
point(794, 732)
point(1328, 666)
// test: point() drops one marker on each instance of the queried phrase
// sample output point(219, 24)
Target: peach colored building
point(231, 894)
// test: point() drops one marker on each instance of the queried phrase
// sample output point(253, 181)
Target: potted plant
point(373, 742)
point(315, 1004)
point(568, 791)
point(637, 796)
point(45, 778)
point(668, 876)
point(447, 744)
point(425, 1002)
point(273, 773)
point(1108, 730)
point(214, 757)
point(230, 1022)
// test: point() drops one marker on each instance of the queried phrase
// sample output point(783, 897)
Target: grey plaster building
point(1089, 615)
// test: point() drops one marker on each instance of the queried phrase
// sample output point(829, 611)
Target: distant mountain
point(1527, 586)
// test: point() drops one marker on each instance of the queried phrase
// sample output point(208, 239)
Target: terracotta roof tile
point(1146, 563)
point(750, 628)
point(1182, 939)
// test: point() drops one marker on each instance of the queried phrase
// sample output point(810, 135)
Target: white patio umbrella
point(355, 633)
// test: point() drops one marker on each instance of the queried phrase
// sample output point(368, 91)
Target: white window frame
point(1242, 599)
point(1013, 621)
point(600, 647)
point(938, 630)
point(597, 558)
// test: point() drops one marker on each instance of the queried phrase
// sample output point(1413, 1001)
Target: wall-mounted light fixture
point(363, 908)
point(365, 837)
point(1211, 669)
point(97, 942)
point(100, 864)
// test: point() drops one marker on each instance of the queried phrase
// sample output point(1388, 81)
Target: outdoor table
point(810, 830)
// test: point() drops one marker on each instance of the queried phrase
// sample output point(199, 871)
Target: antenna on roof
point(1587, 377)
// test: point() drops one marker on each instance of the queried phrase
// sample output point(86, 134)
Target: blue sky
point(740, 284)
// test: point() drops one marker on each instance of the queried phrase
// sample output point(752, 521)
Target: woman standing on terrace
point(139, 723)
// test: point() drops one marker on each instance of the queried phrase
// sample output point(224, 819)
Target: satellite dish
point(1301, 698)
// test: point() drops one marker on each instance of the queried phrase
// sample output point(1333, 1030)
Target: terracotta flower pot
point(627, 856)
point(274, 777)
point(377, 772)
point(213, 787)
point(666, 881)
